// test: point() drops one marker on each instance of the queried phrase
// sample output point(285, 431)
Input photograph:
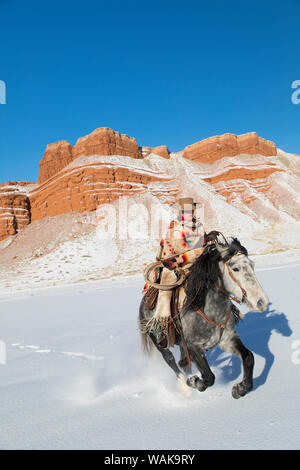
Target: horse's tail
point(147, 343)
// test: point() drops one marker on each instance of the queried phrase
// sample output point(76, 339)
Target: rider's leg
point(163, 306)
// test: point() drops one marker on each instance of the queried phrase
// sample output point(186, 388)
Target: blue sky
point(164, 71)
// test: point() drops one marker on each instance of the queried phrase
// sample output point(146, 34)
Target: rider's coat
point(181, 245)
point(181, 238)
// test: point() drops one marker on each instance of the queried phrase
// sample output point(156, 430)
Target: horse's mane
point(233, 248)
point(205, 272)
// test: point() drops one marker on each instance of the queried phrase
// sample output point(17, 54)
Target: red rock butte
point(229, 145)
point(103, 141)
point(71, 180)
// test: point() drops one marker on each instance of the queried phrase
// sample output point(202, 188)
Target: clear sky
point(164, 71)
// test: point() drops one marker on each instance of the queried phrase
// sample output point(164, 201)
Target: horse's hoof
point(195, 382)
point(238, 391)
point(191, 381)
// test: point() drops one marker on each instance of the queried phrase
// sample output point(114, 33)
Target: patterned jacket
point(183, 242)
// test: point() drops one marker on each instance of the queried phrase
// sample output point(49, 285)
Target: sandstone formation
point(84, 188)
point(105, 141)
point(80, 178)
point(241, 174)
point(14, 208)
point(56, 157)
point(229, 145)
point(102, 141)
point(161, 151)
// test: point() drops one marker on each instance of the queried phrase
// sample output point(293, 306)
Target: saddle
point(168, 335)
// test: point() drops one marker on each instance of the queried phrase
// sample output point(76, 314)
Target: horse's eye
point(236, 269)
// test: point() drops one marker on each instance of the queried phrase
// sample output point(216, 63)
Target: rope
point(159, 264)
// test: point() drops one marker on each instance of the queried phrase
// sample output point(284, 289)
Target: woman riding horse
point(184, 235)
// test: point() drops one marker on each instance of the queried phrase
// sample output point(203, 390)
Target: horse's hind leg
point(207, 377)
point(168, 356)
point(170, 360)
point(235, 346)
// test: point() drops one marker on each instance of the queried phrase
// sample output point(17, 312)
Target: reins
point(216, 324)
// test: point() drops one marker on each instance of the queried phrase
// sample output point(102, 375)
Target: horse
point(208, 317)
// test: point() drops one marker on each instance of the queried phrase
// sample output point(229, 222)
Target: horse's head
point(239, 277)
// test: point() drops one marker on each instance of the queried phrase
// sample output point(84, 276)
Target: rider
point(182, 244)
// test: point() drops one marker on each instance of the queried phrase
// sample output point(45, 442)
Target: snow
point(241, 162)
point(20, 188)
point(75, 376)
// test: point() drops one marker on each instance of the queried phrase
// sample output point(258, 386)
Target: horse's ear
point(222, 249)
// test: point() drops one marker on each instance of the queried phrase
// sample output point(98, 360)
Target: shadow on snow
point(255, 331)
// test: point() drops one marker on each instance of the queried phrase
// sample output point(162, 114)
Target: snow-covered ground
point(75, 376)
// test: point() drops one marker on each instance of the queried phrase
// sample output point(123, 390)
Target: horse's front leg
point(235, 346)
point(207, 377)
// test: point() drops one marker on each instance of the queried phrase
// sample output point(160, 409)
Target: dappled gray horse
point(208, 317)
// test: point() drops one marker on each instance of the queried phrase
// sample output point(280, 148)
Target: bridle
point(244, 293)
point(220, 288)
point(222, 326)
